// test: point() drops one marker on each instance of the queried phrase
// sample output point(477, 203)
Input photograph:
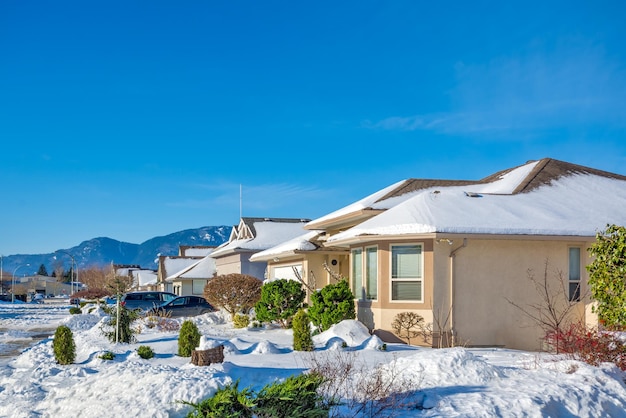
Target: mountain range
point(99, 252)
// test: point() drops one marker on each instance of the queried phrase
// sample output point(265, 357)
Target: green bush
point(107, 355)
point(63, 345)
point(280, 300)
point(125, 332)
point(241, 321)
point(302, 340)
point(331, 305)
point(145, 352)
point(188, 339)
point(296, 397)
point(74, 310)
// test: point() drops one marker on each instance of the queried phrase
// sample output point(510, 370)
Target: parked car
point(146, 300)
point(183, 306)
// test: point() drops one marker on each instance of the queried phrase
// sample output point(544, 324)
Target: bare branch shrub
point(233, 292)
point(553, 310)
point(409, 325)
point(360, 390)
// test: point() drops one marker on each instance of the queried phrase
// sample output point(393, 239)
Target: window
point(406, 272)
point(365, 273)
point(357, 273)
point(574, 274)
point(197, 286)
point(371, 273)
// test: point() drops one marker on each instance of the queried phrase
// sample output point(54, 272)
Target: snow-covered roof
point(145, 277)
point(266, 233)
point(573, 204)
point(174, 264)
point(299, 243)
point(203, 268)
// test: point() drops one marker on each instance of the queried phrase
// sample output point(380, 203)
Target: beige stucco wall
point(485, 276)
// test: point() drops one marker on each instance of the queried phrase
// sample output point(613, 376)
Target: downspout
point(452, 255)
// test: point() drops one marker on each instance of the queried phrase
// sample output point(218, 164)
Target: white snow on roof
point(176, 263)
point(299, 243)
point(506, 184)
point(364, 203)
point(197, 252)
point(145, 277)
point(268, 234)
point(576, 205)
point(200, 269)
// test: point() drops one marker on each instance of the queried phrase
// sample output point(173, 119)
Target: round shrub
point(63, 345)
point(107, 355)
point(241, 321)
point(280, 300)
point(302, 340)
point(75, 310)
point(331, 305)
point(145, 352)
point(188, 339)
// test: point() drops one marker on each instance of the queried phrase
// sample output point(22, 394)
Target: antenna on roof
point(240, 202)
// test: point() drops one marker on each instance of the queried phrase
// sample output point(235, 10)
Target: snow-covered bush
point(280, 300)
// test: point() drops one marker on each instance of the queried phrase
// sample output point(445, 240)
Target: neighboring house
point(460, 253)
point(187, 273)
point(144, 279)
point(192, 279)
point(251, 236)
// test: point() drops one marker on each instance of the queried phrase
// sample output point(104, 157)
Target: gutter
point(452, 256)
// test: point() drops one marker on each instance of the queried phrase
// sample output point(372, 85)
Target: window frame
point(575, 295)
point(418, 279)
point(366, 271)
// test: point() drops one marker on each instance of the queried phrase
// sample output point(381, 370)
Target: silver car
point(146, 300)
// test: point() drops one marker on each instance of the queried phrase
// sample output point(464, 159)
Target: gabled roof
point(258, 234)
point(200, 269)
point(301, 243)
point(545, 197)
point(521, 179)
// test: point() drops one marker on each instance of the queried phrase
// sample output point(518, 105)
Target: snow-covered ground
point(440, 383)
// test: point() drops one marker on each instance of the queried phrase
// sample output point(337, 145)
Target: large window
point(357, 273)
point(365, 273)
point(406, 272)
point(371, 273)
point(574, 274)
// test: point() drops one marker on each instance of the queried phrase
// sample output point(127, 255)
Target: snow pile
point(447, 382)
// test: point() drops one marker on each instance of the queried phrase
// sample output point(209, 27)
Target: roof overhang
point(344, 221)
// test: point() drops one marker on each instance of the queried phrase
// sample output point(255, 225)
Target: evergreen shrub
point(280, 300)
point(302, 340)
point(145, 352)
point(331, 305)
point(63, 345)
point(241, 321)
point(188, 338)
point(75, 310)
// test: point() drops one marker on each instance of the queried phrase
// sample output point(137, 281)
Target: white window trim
point(420, 279)
point(356, 293)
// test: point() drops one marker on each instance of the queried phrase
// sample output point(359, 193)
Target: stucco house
point(186, 274)
point(460, 252)
point(253, 235)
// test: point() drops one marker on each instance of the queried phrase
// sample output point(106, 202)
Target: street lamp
point(74, 268)
point(13, 282)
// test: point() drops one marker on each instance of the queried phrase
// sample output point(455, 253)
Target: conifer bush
point(124, 332)
point(280, 300)
point(241, 321)
point(145, 352)
point(63, 345)
point(302, 340)
point(188, 338)
point(75, 310)
point(331, 305)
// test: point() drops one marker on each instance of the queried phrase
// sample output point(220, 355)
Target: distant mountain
point(104, 251)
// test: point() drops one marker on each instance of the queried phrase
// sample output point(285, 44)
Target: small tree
point(408, 325)
point(280, 300)
point(42, 271)
point(233, 292)
point(302, 340)
point(63, 345)
point(188, 339)
point(607, 276)
point(331, 305)
point(119, 326)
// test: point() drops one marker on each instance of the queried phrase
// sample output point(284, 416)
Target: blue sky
point(138, 119)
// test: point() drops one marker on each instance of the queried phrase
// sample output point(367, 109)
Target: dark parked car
point(184, 306)
point(146, 300)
